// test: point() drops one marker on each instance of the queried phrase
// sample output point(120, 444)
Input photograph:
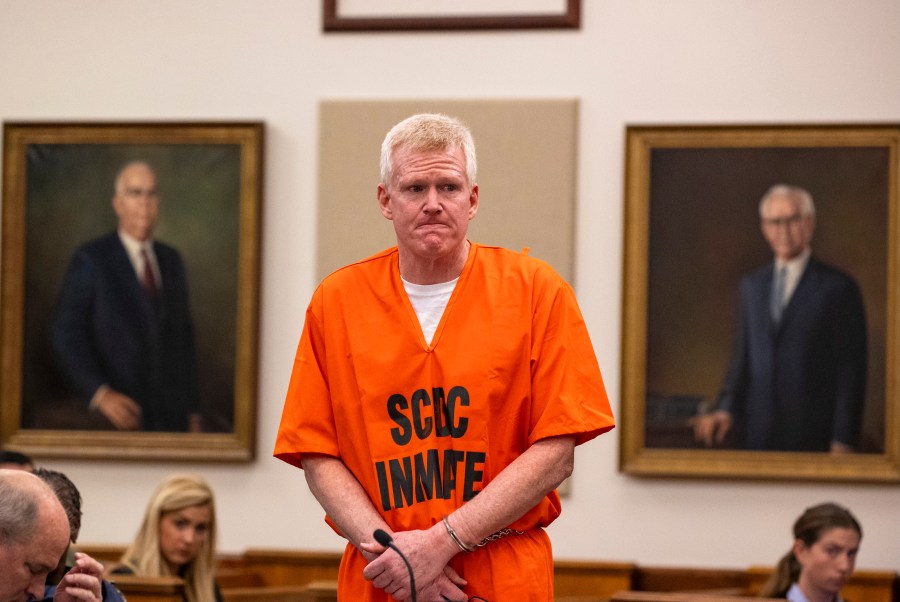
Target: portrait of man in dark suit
point(797, 376)
point(730, 370)
point(122, 334)
point(131, 262)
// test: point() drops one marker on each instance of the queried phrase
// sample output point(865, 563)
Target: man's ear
point(384, 202)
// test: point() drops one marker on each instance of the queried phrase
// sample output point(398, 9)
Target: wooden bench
point(235, 578)
point(574, 581)
point(584, 581)
point(635, 596)
point(316, 591)
point(149, 589)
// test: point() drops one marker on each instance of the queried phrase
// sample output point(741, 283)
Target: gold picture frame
point(57, 191)
point(385, 15)
point(691, 232)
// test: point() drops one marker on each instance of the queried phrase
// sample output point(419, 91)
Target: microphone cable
point(387, 541)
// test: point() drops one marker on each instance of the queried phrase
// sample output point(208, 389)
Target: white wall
point(633, 61)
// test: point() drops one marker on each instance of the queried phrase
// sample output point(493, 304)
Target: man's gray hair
point(18, 513)
point(800, 195)
point(428, 132)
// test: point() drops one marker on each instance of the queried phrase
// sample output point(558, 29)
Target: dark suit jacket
point(107, 330)
point(799, 385)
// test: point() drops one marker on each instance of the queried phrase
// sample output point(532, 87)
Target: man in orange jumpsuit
point(439, 390)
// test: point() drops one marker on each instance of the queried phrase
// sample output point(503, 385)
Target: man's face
point(136, 202)
point(827, 565)
point(787, 231)
point(25, 566)
point(430, 200)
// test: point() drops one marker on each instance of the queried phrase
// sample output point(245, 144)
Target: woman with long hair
point(177, 537)
point(822, 559)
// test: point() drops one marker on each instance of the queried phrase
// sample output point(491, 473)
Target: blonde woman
point(177, 537)
point(822, 559)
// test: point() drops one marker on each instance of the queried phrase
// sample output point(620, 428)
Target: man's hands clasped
point(428, 553)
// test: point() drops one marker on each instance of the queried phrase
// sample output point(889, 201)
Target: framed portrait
point(130, 268)
point(713, 383)
point(406, 15)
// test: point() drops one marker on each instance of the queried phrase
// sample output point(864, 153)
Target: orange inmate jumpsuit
point(424, 428)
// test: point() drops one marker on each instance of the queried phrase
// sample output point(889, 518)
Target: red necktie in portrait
point(149, 280)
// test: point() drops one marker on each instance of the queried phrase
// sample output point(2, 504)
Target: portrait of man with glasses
point(797, 376)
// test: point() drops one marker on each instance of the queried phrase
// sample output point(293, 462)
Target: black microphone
point(387, 541)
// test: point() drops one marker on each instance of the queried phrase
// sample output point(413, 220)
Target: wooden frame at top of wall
point(334, 21)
